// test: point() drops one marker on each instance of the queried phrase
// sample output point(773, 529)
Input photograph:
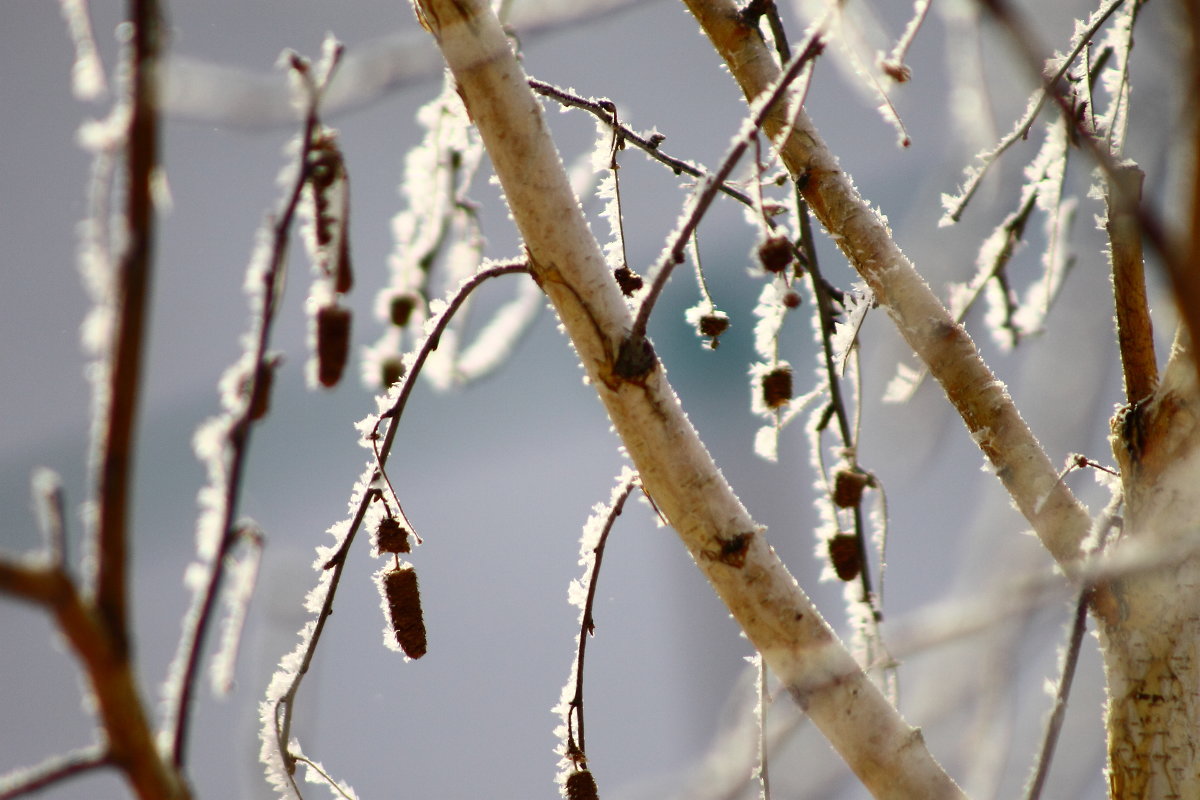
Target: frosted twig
point(238, 423)
point(119, 377)
point(282, 706)
point(87, 73)
point(604, 111)
point(53, 770)
point(894, 65)
point(430, 343)
point(764, 105)
point(49, 504)
point(1047, 90)
point(1171, 249)
point(576, 749)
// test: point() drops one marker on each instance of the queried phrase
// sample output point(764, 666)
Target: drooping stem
point(675, 468)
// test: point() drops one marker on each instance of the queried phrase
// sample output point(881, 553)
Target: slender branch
point(237, 435)
point(1174, 250)
point(765, 106)
point(989, 413)
point(1135, 332)
point(1048, 91)
point(132, 284)
point(53, 770)
point(284, 702)
point(50, 505)
point(130, 743)
point(674, 466)
point(648, 144)
point(430, 343)
point(576, 746)
point(1054, 724)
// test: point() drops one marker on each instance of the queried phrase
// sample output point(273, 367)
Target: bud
point(629, 281)
point(775, 254)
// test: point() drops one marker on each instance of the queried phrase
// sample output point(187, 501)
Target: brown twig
point(673, 254)
point(237, 435)
point(576, 748)
point(1135, 332)
point(132, 287)
point(53, 770)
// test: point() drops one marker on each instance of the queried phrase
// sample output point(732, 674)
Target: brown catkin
point(777, 387)
point(775, 254)
point(404, 609)
point(848, 487)
point(260, 402)
point(845, 555)
point(333, 343)
point(582, 786)
point(391, 537)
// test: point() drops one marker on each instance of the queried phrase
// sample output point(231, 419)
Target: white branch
point(943, 345)
point(676, 470)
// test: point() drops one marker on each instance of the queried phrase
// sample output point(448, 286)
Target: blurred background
point(499, 477)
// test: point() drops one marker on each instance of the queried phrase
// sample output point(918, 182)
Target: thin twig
point(53, 770)
point(284, 707)
point(602, 110)
point(50, 505)
point(1054, 724)
point(1048, 90)
point(115, 443)
point(191, 645)
point(706, 191)
point(576, 748)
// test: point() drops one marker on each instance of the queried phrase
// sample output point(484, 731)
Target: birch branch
point(676, 470)
point(982, 401)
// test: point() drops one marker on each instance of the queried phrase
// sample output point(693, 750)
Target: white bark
point(1150, 632)
point(885, 752)
point(943, 345)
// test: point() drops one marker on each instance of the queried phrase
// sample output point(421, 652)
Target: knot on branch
point(636, 359)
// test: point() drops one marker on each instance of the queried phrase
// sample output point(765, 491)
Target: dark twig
point(1172, 250)
point(191, 645)
point(602, 110)
point(1069, 665)
point(430, 344)
point(707, 190)
point(120, 401)
point(576, 749)
point(1049, 90)
point(284, 703)
point(53, 770)
point(1054, 724)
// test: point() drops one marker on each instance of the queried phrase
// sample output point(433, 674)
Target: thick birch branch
point(676, 470)
point(943, 345)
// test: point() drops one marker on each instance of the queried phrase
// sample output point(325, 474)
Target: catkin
point(404, 610)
